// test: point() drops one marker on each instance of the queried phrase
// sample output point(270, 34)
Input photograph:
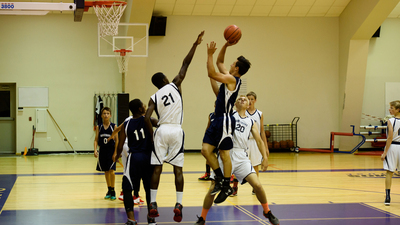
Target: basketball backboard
point(131, 36)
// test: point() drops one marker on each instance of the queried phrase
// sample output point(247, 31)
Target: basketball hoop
point(122, 56)
point(109, 14)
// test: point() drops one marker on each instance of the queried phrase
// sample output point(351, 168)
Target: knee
point(204, 152)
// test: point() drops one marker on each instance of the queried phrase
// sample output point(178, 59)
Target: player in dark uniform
point(219, 134)
point(138, 161)
point(105, 155)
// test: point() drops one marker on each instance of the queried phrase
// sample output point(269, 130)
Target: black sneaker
point(225, 193)
point(218, 185)
point(130, 222)
point(178, 212)
point(153, 210)
point(387, 200)
point(151, 220)
point(200, 221)
point(272, 219)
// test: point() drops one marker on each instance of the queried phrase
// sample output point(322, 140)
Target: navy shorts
point(137, 168)
point(219, 134)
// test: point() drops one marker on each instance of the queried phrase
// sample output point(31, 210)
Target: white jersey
point(169, 105)
point(242, 131)
point(396, 129)
point(256, 116)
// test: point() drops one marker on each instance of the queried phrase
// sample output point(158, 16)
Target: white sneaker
point(137, 200)
point(121, 196)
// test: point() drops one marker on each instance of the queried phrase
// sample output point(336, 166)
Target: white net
point(123, 60)
point(109, 15)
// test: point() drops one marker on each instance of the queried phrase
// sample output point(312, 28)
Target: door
point(7, 118)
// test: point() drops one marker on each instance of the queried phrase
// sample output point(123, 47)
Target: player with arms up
point(219, 134)
point(169, 137)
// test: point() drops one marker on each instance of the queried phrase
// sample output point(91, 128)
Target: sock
point(153, 195)
point(265, 207)
point(235, 183)
point(136, 193)
point(179, 195)
point(208, 169)
point(218, 172)
point(204, 213)
point(109, 190)
point(387, 192)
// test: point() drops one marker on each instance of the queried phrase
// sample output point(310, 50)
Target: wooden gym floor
point(302, 188)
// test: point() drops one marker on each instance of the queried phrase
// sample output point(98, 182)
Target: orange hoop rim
point(122, 51)
point(104, 3)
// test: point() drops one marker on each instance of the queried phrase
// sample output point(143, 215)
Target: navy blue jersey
point(226, 98)
point(137, 135)
point(104, 134)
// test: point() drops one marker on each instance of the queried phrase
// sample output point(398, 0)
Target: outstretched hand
point(231, 43)
point(199, 38)
point(211, 48)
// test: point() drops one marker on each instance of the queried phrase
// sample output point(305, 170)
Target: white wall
point(383, 66)
point(56, 52)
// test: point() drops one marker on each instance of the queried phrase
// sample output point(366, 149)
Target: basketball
point(290, 143)
point(267, 134)
point(232, 33)
point(283, 144)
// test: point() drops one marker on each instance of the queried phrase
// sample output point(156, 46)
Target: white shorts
point(391, 161)
point(124, 153)
point(253, 152)
point(168, 145)
point(241, 165)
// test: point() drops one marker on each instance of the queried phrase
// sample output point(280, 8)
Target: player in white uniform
point(391, 154)
point(253, 152)
point(169, 137)
point(241, 165)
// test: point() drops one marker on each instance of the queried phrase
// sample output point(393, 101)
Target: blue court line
point(194, 172)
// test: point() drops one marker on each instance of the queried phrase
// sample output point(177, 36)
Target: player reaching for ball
point(219, 134)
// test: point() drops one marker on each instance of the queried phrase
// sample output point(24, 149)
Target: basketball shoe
point(121, 196)
point(112, 197)
point(137, 200)
point(151, 220)
point(206, 176)
point(108, 195)
point(153, 210)
point(129, 222)
point(272, 219)
point(225, 192)
point(235, 190)
point(200, 221)
point(218, 185)
point(387, 200)
point(178, 212)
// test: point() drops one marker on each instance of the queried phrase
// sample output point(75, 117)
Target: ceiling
point(279, 8)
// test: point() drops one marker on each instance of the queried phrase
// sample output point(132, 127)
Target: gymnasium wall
point(383, 66)
point(294, 72)
point(56, 52)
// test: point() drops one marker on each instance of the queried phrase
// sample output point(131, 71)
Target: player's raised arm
point(220, 77)
point(187, 60)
